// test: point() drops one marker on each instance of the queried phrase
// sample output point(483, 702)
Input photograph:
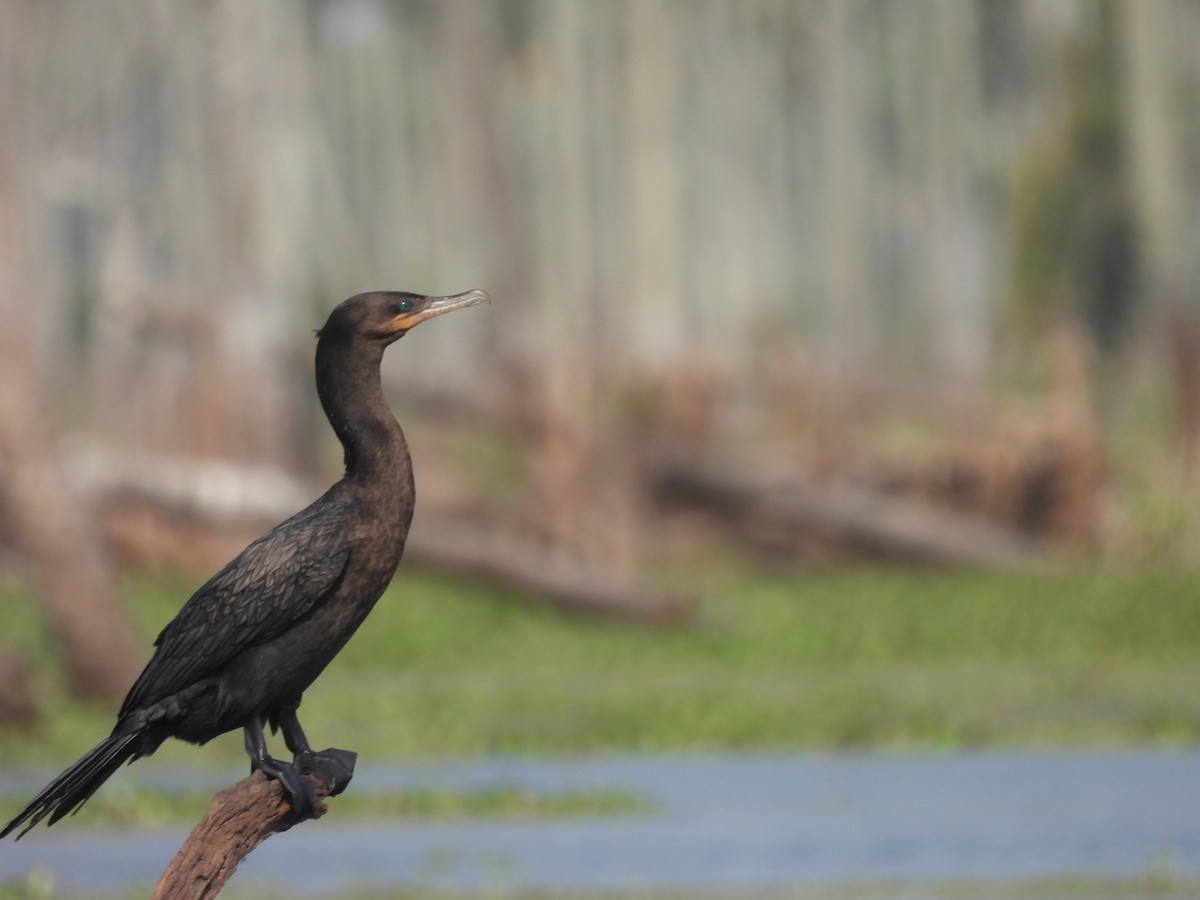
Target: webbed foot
point(333, 766)
point(298, 788)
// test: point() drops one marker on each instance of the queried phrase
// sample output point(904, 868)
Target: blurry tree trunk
point(248, 406)
point(654, 293)
point(956, 242)
point(559, 462)
point(484, 237)
point(1154, 112)
point(189, 352)
point(45, 519)
point(1184, 349)
point(845, 206)
point(47, 522)
point(55, 535)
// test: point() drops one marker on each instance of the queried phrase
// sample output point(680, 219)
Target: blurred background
point(841, 385)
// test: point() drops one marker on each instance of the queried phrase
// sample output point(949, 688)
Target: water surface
point(744, 824)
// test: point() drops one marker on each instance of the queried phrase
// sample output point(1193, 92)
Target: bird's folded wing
point(272, 585)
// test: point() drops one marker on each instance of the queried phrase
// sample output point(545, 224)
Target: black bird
point(249, 642)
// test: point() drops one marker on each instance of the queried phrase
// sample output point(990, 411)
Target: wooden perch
point(872, 521)
point(237, 820)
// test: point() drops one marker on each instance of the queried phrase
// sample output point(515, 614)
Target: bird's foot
point(333, 766)
point(298, 788)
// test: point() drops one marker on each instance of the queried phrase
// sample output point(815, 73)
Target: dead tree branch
point(888, 526)
point(238, 819)
point(525, 565)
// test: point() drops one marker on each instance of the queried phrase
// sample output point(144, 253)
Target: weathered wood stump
point(238, 819)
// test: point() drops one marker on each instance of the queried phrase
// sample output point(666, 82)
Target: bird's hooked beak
point(429, 307)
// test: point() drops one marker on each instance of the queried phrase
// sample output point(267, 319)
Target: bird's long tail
point(72, 788)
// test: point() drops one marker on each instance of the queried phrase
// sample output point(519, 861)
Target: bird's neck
point(351, 392)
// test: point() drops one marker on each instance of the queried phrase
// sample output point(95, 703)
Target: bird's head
point(385, 316)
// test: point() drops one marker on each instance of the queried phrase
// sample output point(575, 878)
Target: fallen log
point(164, 508)
point(867, 520)
point(535, 570)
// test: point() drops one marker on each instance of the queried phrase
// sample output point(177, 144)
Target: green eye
point(405, 306)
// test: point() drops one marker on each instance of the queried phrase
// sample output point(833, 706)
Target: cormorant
point(244, 648)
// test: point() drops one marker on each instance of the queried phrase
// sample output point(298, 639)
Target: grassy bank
point(783, 659)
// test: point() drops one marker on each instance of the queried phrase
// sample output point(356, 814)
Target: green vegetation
point(783, 659)
point(127, 805)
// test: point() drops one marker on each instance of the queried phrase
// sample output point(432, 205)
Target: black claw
point(299, 789)
point(334, 767)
